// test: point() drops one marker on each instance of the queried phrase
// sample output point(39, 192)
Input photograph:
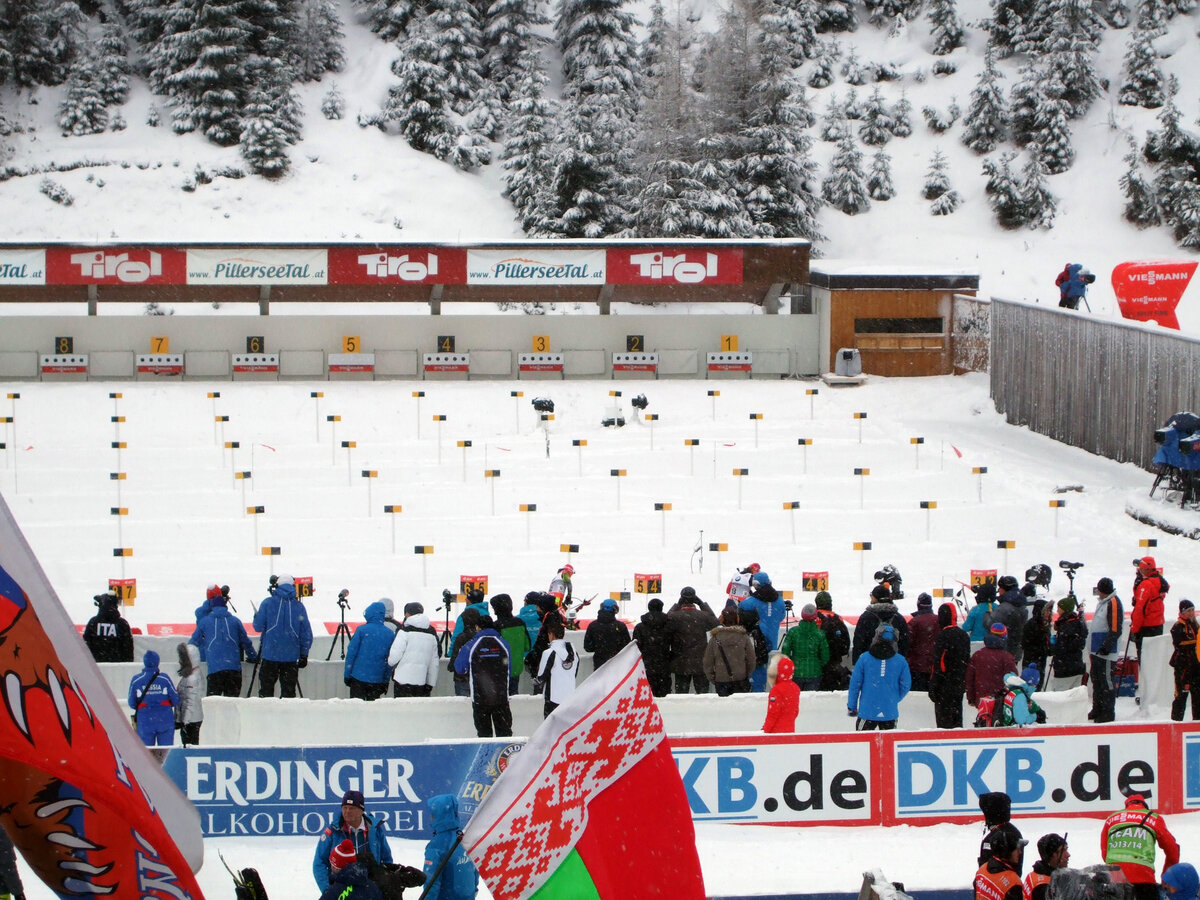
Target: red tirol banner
point(116, 265)
point(88, 807)
point(674, 265)
point(593, 805)
point(397, 265)
point(1150, 291)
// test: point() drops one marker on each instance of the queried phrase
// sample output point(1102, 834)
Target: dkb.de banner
point(873, 778)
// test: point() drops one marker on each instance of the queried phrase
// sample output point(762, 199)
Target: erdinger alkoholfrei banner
point(83, 800)
point(1151, 291)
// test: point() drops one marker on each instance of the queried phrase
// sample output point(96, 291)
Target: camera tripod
point(1070, 568)
point(343, 632)
point(444, 642)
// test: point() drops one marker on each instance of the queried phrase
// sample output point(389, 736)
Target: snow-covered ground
point(187, 528)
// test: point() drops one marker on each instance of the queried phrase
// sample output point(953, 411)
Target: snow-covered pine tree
point(269, 73)
point(660, 210)
point(836, 16)
point(945, 27)
point(946, 204)
point(208, 72)
point(68, 35)
point(1170, 143)
point(82, 110)
point(333, 104)
point(486, 112)
point(1007, 25)
point(1141, 201)
point(834, 126)
point(1143, 84)
point(777, 175)
point(651, 49)
point(318, 47)
point(716, 208)
point(1052, 134)
point(986, 125)
point(579, 199)
point(527, 155)
point(1025, 102)
point(1038, 205)
point(822, 73)
point(1070, 53)
point(390, 18)
point(940, 121)
point(876, 127)
point(419, 104)
point(879, 179)
point(902, 117)
point(1187, 217)
point(853, 70)
point(263, 143)
point(1003, 191)
point(26, 30)
point(600, 51)
point(844, 188)
point(851, 108)
point(937, 177)
point(801, 17)
point(112, 65)
point(884, 12)
point(458, 40)
point(509, 29)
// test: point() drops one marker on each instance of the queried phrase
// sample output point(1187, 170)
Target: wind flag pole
point(600, 765)
point(89, 808)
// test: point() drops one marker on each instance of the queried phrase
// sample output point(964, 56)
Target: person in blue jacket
point(531, 615)
point(223, 642)
point(765, 601)
point(153, 699)
point(978, 620)
point(475, 601)
point(879, 682)
point(286, 638)
point(367, 673)
point(364, 832)
point(1073, 283)
point(457, 879)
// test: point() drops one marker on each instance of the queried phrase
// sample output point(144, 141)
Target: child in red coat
point(783, 703)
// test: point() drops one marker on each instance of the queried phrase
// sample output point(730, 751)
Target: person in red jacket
point(1149, 590)
point(989, 665)
point(1128, 838)
point(783, 703)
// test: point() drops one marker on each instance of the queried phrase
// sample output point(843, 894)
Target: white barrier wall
point(782, 345)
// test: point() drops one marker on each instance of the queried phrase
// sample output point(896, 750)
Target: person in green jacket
point(806, 647)
point(515, 634)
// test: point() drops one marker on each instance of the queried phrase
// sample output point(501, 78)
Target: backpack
point(836, 635)
point(990, 713)
point(761, 653)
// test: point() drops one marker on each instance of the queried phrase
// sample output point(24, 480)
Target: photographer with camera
point(366, 671)
point(1073, 283)
point(107, 635)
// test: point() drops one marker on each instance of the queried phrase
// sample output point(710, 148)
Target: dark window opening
point(931, 325)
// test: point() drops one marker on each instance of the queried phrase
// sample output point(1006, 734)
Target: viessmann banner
point(853, 779)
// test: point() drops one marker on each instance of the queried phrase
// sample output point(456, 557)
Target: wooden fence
point(1097, 384)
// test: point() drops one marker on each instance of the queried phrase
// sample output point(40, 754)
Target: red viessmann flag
point(82, 799)
point(593, 807)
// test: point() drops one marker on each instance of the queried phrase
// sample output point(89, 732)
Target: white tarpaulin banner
point(246, 265)
point(529, 265)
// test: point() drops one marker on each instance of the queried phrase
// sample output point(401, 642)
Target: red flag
point(957, 452)
point(85, 803)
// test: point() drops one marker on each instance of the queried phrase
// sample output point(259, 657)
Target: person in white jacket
point(414, 655)
point(558, 668)
point(189, 714)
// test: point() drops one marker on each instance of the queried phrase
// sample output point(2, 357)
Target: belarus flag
point(85, 803)
point(593, 807)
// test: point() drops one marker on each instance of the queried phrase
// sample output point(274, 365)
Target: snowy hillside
point(355, 183)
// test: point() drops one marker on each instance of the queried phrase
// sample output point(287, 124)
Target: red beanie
point(343, 854)
point(214, 591)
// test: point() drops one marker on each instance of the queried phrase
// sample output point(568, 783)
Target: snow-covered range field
point(187, 528)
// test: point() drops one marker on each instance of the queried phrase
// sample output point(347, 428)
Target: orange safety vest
point(994, 885)
point(1033, 881)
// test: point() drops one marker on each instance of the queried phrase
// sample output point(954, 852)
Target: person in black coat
point(1035, 639)
point(948, 682)
point(1067, 649)
point(547, 605)
point(881, 611)
point(835, 676)
point(652, 639)
point(107, 634)
point(606, 636)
